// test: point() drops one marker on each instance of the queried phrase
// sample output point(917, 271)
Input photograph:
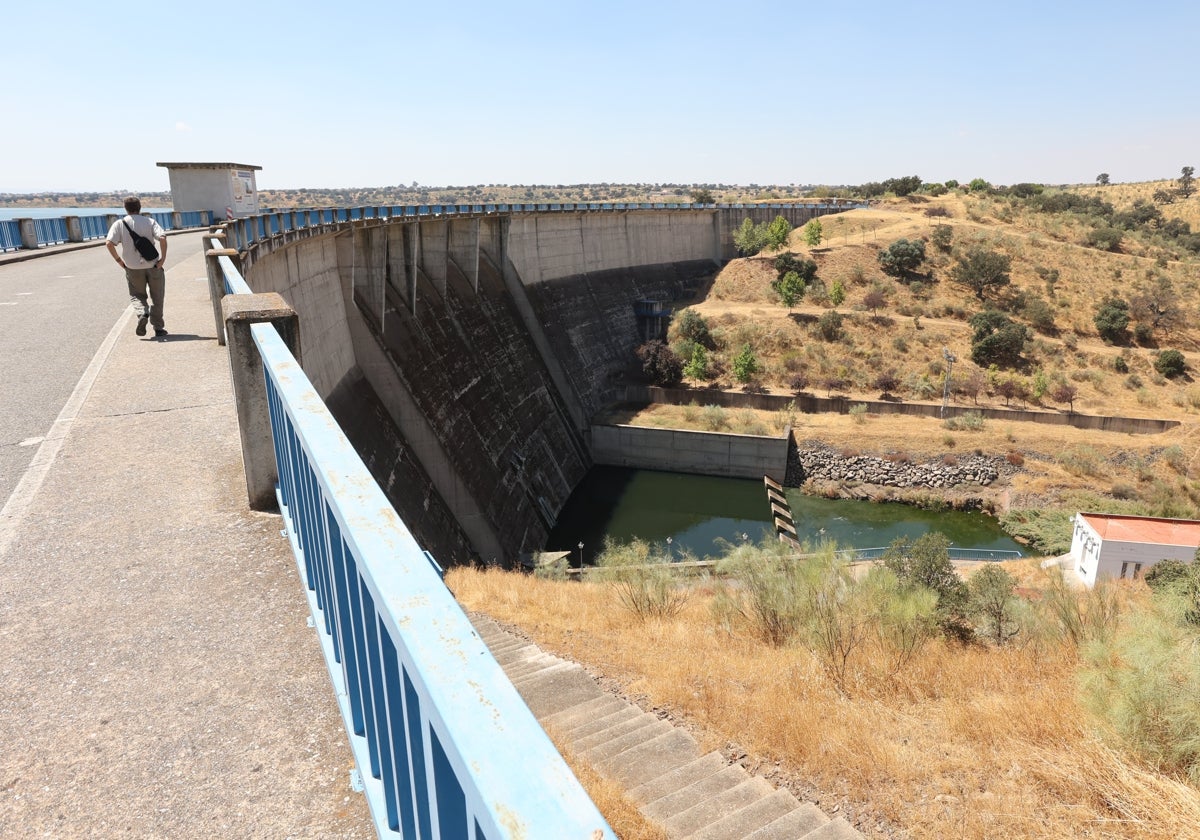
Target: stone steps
point(693, 796)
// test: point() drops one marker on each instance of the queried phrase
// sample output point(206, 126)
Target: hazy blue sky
point(372, 94)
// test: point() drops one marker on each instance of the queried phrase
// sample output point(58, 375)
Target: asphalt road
point(55, 312)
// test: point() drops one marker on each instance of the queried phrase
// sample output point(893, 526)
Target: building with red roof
point(1106, 545)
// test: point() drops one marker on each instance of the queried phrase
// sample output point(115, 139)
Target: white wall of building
point(1094, 558)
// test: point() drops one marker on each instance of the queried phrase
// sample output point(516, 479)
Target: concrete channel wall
point(682, 450)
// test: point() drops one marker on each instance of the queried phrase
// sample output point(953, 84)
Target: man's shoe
point(159, 333)
point(142, 319)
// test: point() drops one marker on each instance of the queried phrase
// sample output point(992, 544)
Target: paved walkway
point(157, 674)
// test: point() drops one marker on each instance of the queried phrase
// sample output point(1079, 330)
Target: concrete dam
point(464, 355)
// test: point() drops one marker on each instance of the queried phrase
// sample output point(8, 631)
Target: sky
point(364, 94)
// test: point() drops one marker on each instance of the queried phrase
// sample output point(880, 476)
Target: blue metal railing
point(10, 235)
point(248, 230)
point(445, 745)
point(856, 554)
point(50, 231)
point(94, 227)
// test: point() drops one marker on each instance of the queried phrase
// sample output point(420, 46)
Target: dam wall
point(466, 354)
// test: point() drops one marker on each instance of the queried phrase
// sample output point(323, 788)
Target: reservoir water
point(694, 511)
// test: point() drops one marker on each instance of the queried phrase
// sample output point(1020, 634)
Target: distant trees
point(1187, 181)
point(1170, 363)
point(751, 238)
point(702, 196)
point(997, 339)
point(1112, 320)
point(982, 270)
point(902, 257)
point(1102, 179)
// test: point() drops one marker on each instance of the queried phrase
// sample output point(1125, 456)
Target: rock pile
point(829, 465)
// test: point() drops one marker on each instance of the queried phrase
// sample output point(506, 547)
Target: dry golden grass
point(969, 743)
point(622, 816)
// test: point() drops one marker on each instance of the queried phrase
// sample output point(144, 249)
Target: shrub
point(942, 237)
point(1170, 363)
point(643, 579)
point(829, 326)
point(902, 257)
point(1120, 365)
point(693, 327)
point(1015, 458)
point(713, 417)
point(1144, 682)
point(858, 413)
point(925, 562)
point(1105, 238)
point(993, 604)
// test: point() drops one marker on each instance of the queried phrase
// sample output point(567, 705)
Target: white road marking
point(33, 441)
point(29, 293)
point(14, 510)
point(8, 303)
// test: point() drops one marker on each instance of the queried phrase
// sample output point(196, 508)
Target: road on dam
point(55, 313)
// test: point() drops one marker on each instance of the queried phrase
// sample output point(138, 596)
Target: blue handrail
point(446, 745)
point(10, 235)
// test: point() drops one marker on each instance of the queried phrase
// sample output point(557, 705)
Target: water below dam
point(694, 511)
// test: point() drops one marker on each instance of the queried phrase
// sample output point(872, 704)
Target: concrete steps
point(693, 796)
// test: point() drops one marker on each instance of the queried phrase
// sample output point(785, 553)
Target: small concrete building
point(1105, 545)
point(226, 190)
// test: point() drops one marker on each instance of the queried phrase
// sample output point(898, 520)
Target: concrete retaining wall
point(681, 450)
point(641, 395)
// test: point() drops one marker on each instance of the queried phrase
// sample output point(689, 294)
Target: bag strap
point(130, 229)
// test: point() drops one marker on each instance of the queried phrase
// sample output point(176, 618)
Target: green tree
point(813, 232)
point(777, 233)
point(1156, 305)
point(745, 364)
point(790, 289)
point(925, 562)
point(997, 339)
point(1102, 179)
point(902, 257)
point(982, 270)
point(697, 366)
point(979, 185)
point(837, 294)
point(1170, 363)
point(1112, 320)
point(750, 238)
point(1105, 238)
point(702, 196)
point(991, 599)
point(1187, 181)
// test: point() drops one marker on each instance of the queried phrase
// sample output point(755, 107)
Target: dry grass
point(970, 743)
point(921, 317)
point(621, 814)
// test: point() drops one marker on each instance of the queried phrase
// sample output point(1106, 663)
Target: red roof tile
point(1145, 529)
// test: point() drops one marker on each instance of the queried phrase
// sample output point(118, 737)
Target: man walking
point(145, 277)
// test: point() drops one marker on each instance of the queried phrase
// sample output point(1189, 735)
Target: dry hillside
point(1057, 283)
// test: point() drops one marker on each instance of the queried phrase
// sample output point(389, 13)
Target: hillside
point(897, 352)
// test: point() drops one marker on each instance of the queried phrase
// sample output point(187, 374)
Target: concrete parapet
point(249, 389)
